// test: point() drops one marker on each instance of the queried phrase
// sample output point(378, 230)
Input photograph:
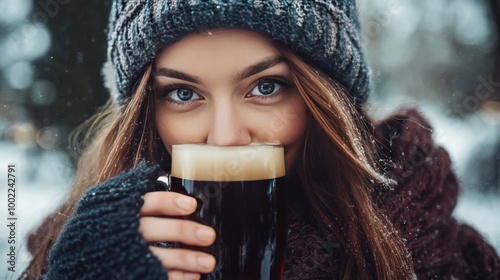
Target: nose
point(228, 127)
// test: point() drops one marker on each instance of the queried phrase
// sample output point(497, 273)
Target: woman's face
point(227, 88)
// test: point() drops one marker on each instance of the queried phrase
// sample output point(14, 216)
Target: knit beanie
point(324, 33)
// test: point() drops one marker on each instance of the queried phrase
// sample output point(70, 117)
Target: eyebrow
point(167, 72)
point(260, 66)
point(247, 72)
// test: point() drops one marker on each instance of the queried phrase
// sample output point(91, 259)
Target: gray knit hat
point(325, 33)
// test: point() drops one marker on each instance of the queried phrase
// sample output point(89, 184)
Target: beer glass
point(241, 194)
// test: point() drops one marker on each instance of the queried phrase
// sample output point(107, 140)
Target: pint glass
point(240, 192)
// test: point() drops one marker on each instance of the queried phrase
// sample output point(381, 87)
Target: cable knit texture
point(310, 254)
point(102, 239)
point(325, 33)
point(421, 204)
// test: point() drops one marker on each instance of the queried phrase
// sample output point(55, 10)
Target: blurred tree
point(73, 64)
point(487, 85)
point(439, 52)
point(495, 8)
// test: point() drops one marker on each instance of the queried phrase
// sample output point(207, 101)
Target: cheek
point(286, 125)
point(173, 129)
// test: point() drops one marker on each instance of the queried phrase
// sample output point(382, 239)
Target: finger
point(185, 260)
point(168, 204)
point(181, 275)
point(176, 230)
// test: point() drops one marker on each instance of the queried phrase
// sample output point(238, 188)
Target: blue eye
point(266, 88)
point(182, 95)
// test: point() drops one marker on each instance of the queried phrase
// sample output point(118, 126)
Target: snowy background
point(439, 55)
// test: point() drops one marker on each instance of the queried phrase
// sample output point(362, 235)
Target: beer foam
point(227, 163)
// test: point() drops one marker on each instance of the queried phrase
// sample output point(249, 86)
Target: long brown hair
point(337, 175)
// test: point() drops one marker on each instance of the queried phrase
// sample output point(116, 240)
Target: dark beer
point(248, 215)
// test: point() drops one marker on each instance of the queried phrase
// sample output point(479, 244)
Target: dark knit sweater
point(422, 203)
point(102, 241)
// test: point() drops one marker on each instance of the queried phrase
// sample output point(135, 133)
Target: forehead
point(217, 48)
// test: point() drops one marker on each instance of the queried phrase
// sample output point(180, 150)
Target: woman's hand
point(180, 263)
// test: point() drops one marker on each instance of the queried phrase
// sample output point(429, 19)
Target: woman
point(367, 201)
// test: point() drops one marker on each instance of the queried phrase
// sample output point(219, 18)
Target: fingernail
point(185, 203)
point(191, 276)
point(205, 234)
point(205, 261)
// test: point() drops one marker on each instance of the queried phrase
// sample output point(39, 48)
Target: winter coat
point(101, 240)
